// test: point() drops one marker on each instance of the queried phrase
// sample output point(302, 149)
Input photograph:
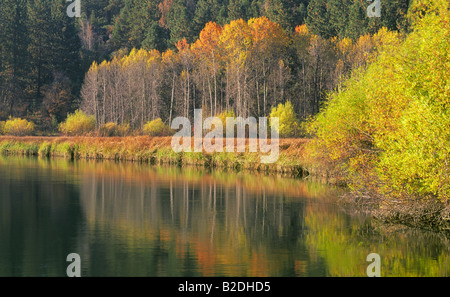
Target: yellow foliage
point(112, 129)
point(388, 130)
point(288, 122)
point(78, 124)
point(18, 127)
point(157, 128)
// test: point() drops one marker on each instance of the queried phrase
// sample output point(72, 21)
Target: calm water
point(138, 220)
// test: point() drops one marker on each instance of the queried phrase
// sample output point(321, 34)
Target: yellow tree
point(302, 41)
point(344, 53)
point(90, 92)
point(186, 59)
point(170, 63)
point(269, 44)
point(208, 59)
point(236, 42)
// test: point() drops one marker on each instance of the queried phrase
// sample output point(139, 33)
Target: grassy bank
point(157, 150)
point(292, 162)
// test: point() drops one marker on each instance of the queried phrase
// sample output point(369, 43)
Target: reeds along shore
point(158, 150)
point(292, 162)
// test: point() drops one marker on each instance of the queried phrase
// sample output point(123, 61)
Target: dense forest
point(129, 61)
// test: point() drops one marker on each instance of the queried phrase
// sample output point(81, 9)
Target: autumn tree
point(387, 130)
point(268, 52)
point(208, 58)
point(236, 42)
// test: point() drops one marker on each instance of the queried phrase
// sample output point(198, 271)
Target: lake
point(129, 219)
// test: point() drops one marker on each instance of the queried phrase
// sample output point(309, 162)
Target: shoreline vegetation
point(386, 132)
point(293, 161)
point(158, 150)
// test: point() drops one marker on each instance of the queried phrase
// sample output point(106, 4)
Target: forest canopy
point(45, 55)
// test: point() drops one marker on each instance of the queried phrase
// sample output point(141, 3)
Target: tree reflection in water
point(138, 220)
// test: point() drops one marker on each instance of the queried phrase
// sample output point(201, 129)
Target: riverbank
point(158, 150)
point(292, 162)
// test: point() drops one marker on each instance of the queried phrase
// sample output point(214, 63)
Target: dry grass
point(157, 150)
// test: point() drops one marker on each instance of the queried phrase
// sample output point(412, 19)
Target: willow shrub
point(112, 129)
point(388, 130)
point(157, 128)
point(18, 127)
point(288, 122)
point(78, 124)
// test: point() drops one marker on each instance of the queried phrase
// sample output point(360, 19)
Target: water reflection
point(194, 226)
point(137, 220)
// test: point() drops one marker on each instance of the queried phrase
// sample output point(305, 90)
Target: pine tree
point(143, 15)
point(96, 8)
point(121, 33)
point(357, 21)
point(13, 55)
point(66, 43)
point(155, 38)
point(40, 47)
point(318, 19)
point(287, 13)
point(54, 47)
point(203, 15)
point(178, 22)
point(394, 14)
point(222, 15)
point(113, 9)
point(338, 12)
point(236, 10)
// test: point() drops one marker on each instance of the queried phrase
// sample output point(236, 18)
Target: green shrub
point(112, 130)
point(288, 122)
point(78, 124)
point(157, 128)
point(2, 127)
point(18, 127)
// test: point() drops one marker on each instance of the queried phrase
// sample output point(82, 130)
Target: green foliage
point(114, 130)
point(288, 122)
point(348, 18)
point(78, 124)
point(2, 127)
point(178, 22)
point(155, 38)
point(157, 128)
point(121, 33)
point(48, 24)
point(14, 70)
point(388, 130)
point(18, 127)
point(287, 13)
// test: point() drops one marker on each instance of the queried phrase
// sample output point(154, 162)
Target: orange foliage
point(164, 8)
point(182, 45)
